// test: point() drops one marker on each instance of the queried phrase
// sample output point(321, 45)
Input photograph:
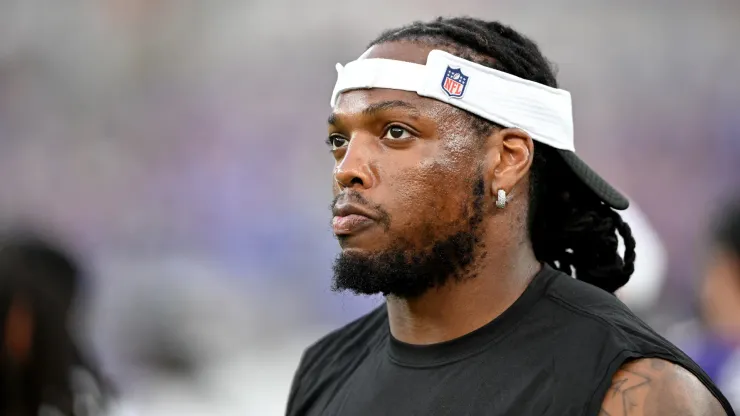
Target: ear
point(510, 157)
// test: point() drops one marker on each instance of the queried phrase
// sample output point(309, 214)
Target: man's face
point(408, 186)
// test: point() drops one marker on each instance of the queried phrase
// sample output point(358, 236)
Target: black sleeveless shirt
point(553, 352)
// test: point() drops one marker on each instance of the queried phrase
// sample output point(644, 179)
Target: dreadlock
point(569, 226)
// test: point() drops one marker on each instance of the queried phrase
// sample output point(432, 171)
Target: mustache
point(355, 197)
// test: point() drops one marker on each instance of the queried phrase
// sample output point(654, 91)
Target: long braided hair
point(569, 226)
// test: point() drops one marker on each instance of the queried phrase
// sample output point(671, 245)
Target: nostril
point(357, 181)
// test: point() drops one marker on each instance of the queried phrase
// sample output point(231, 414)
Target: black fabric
point(596, 183)
point(553, 352)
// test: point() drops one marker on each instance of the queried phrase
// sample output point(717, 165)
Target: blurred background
point(177, 148)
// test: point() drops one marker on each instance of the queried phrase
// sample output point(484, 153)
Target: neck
point(464, 305)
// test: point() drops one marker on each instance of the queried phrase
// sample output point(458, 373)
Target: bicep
point(653, 387)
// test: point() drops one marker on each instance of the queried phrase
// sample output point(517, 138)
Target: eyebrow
point(375, 108)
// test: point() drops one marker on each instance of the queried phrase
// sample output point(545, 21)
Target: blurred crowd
point(171, 152)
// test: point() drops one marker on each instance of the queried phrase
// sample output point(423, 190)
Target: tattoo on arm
point(626, 392)
point(653, 387)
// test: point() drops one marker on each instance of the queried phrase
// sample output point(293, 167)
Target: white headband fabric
point(543, 112)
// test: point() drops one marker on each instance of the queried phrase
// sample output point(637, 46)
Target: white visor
point(543, 112)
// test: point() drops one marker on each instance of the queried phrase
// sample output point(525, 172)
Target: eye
point(336, 142)
point(397, 133)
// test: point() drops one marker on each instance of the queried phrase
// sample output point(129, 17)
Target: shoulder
point(599, 310)
point(349, 337)
point(641, 385)
point(345, 343)
point(652, 387)
point(327, 361)
point(583, 296)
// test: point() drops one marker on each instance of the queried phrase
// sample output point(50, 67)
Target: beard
point(406, 271)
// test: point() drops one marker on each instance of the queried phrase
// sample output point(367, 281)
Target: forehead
point(357, 101)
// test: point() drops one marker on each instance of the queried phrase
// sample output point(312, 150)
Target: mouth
point(344, 225)
point(350, 219)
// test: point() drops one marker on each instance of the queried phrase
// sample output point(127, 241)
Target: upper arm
point(653, 387)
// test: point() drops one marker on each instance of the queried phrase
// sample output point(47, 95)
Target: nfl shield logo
point(454, 82)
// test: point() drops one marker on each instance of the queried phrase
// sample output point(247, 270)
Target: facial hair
point(409, 273)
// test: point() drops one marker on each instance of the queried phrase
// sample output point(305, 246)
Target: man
point(719, 353)
point(459, 197)
point(42, 370)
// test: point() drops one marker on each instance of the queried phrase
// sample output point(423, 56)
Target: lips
point(349, 224)
point(350, 219)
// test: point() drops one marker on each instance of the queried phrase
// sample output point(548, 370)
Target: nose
point(354, 169)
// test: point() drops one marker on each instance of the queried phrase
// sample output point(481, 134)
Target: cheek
point(429, 193)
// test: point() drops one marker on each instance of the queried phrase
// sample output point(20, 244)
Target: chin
point(360, 253)
point(362, 244)
point(354, 250)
